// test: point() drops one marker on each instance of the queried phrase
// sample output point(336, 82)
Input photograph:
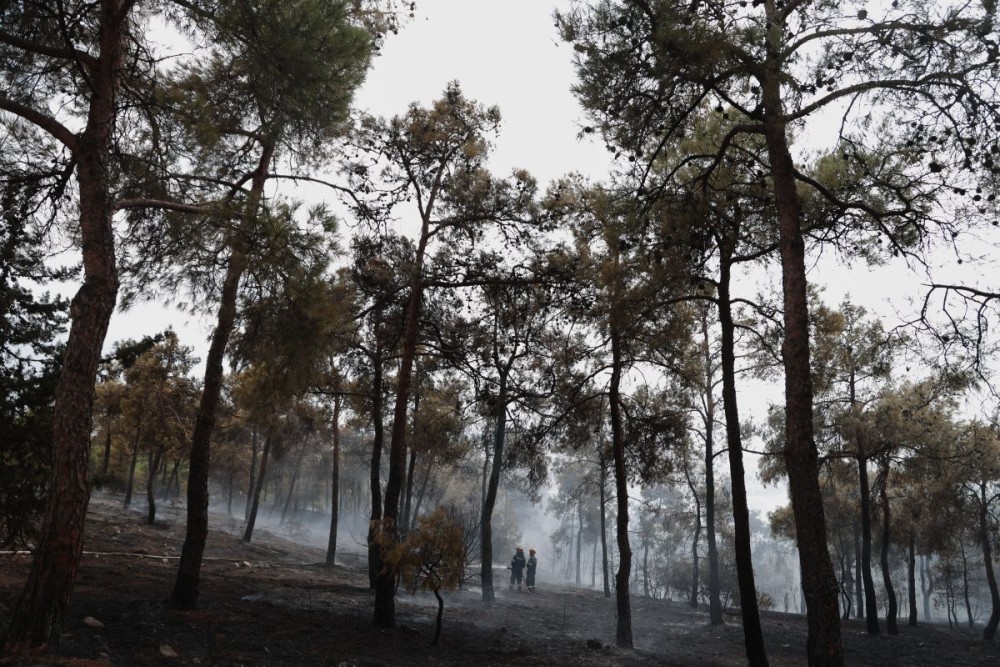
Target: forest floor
point(272, 602)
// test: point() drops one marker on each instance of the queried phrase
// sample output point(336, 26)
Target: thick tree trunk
point(185, 593)
point(824, 645)
point(255, 504)
point(623, 635)
point(41, 609)
point(753, 636)
point(990, 630)
point(331, 544)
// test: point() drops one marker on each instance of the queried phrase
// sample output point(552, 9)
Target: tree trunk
point(385, 588)
point(623, 635)
point(331, 544)
point(185, 593)
point(911, 581)
point(858, 591)
point(890, 592)
point(255, 505)
point(990, 630)
point(171, 478)
point(926, 586)
point(824, 645)
point(253, 470)
point(753, 636)
point(871, 603)
point(131, 471)
point(965, 589)
point(695, 573)
point(295, 479)
point(408, 519)
point(579, 540)
point(153, 462)
point(604, 527)
point(41, 609)
point(106, 459)
point(439, 617)
point(378, 427)
point(486, 524)
point(714, 583)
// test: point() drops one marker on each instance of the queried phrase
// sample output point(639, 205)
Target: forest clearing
point(273, 602)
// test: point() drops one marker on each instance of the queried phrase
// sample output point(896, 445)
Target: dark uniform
point(517, 564)
point(532, 566)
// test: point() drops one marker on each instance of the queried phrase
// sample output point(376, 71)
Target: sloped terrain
point(272, 603)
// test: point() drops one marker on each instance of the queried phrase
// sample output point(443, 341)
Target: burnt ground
point(272, 603)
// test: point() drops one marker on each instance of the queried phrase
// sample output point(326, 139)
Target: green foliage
point(30, 326)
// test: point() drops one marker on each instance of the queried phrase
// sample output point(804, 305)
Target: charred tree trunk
point(331, 544)
point(753, 635)
point(926, 586)
point(408, 519)
point(824, 645)
point(579, 540)
point(965, 589)
point(41, 609)
point(106, 459)
point(255, 505)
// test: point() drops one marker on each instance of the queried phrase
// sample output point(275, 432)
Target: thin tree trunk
point(385, 586)
point(714, 583)
point(331, 544)
point(295, 479)
point(623, 635)
point(911, 581)
point(871, 603)
point(185, 593)
point(579, 539)
point(131, 471)
point(965, 589)
point(106, 460)
point(890, 592)
point(253, 470)
point(824, 645)
point(153, 462)
point(926, 586)
point(165, 495)
point(486, 524)
point(858, 591)
point(374, 553)
point(753, 636)
point(990, 629)
point(41, 609)
point(604, 527)
point(255, 505)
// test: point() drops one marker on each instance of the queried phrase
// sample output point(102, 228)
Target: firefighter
point(516, 568)
point(531, 567)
